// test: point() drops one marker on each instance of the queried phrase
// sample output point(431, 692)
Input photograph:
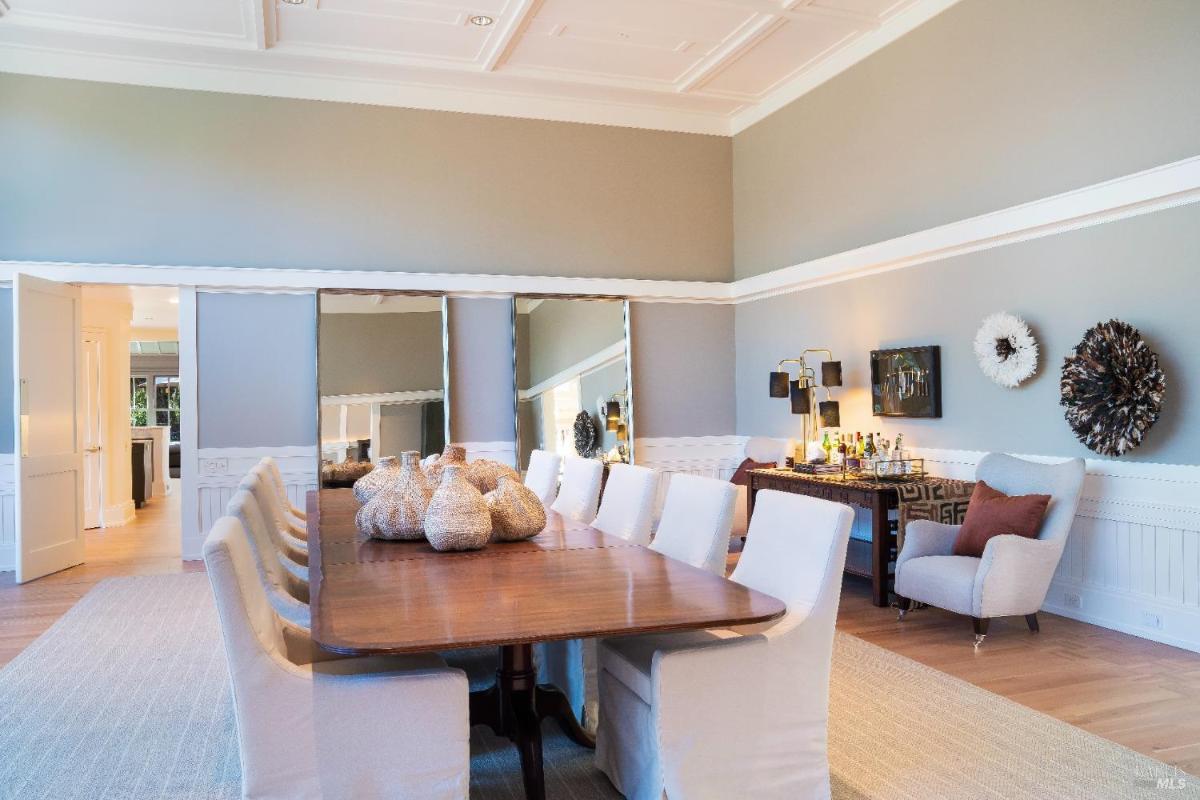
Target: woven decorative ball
point(516, 511)
point(397, 511)
point(458, 516)
point(451, 454)
point(384, 472)
point(1112, 388)
point(485, 474)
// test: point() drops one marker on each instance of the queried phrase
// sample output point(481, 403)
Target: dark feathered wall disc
point(1112, 388)
point(585, 435)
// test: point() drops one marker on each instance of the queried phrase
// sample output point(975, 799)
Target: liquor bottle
point(842, 451)
point(827, 447)
point(869, 447)
point(859, 445)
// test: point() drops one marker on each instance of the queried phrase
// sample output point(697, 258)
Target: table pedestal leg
point(515, 707)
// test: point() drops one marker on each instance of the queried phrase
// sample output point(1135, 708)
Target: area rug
point(126, 696)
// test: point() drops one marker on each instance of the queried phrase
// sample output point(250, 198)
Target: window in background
point(166, 403)
point(139, 403)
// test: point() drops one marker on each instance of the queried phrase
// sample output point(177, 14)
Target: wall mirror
point(573, 382)
point(381, 375)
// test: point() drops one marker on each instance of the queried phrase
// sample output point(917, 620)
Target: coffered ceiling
point(706, 66)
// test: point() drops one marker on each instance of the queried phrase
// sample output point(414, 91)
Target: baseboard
point(1126, 612)
point(118, 515)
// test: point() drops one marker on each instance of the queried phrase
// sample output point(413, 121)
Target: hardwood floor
point(1143, 695)
point(149, 545)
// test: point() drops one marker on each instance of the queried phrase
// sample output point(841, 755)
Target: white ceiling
point(706, 66)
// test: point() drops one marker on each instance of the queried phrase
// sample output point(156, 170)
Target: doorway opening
point(130, 409)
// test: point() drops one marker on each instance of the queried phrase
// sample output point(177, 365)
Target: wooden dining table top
point(570, 581)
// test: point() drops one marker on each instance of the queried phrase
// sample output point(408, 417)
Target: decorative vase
point(484, 474)
point(516, 511)
point(452, 454)
point(458, 516)
point(397, 511)
point(385, 471)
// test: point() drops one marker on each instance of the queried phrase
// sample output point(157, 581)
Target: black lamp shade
point(779, 384)
point(622, 433)
point(801, 399)
point(831, 373)
point(831, 415)
point(612, 415)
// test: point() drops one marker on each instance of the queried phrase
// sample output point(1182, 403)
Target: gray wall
point(564, 332)
point(257, 372)
point(1141, 270)
point(482, 388)
point(987, 105)
point(604, 382)
point(7, 387)
point(379, 353)
point(399, 428)
point(161, 176)
point(683, 369)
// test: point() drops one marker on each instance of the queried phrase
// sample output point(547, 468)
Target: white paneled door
point(47, 346)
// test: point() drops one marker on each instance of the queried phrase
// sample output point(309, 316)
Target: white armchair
point(295, 515)
point(580, 491)
point(696, 521)
point(292, 540)
point(366, 728)
point(1013, 576)
point(627, 508)
point(742, 712)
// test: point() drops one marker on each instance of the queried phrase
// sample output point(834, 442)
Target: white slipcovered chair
point(580, 490)
point(292, 542)
point(377, 727)
point(764, 450)
point(295, 515)
point(627, 508)
point(284, 582)
point(1013, 576)
point(542, 475)
point(696, 520)
point(741, 712)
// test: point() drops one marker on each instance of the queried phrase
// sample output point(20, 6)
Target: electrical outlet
point(1151, 620)
point(214, 466)
point(1072, 600)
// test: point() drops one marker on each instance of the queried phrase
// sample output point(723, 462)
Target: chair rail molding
point(1155, 189)
point(707, 456)
point(1132, 561)
point(221, 469)
point(504, 452)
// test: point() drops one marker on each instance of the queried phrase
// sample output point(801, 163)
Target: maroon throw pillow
point(993, 513)
point(742, 476)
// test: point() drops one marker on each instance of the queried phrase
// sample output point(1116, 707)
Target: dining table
point(571, 581)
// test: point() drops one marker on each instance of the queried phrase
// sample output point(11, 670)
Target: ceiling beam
point(510, 31)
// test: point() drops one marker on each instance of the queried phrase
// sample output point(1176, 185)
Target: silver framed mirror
point(574, 384)
point(382, 379)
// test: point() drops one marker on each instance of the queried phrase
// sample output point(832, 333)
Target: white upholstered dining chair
point(627, 508)
point(376, 727)
point(696, 520)
point(284, 582)
point(542, 476)
point(740, 712)
point(295, 515)
point(580, 490)
point(292, 541)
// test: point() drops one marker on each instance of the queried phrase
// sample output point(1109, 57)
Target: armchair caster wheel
point(901, 614)
point(979, 637)
point(981, 629)
point(905, 605)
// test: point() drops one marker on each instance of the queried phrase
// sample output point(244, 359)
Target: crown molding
point(1155, 189)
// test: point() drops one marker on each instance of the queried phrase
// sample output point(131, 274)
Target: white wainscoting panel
point(221, 469)
point(1132, 561)
point(8, 513)
point(504, 452)
point(707, 456)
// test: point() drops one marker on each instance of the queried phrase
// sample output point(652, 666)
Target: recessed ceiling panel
point(206, 16)
point(778, 56)
point(428, 38)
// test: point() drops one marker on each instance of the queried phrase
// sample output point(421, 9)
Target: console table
point(871, 559)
